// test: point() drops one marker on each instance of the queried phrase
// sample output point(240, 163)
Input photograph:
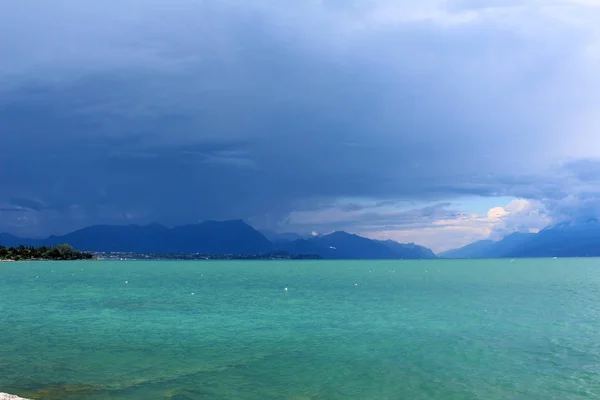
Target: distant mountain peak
point(340, 234)
point(575, 222)
point(579, 237)
point(344, 245)
point(282, 236)
point(225, 222)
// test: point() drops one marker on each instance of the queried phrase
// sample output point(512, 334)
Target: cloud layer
point(174, 112)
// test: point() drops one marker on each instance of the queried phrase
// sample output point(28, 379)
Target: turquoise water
point(343, 330)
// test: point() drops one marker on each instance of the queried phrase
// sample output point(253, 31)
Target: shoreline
point(45, 259)
point(6, 396)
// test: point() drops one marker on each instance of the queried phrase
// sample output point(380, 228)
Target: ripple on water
point(407, 334)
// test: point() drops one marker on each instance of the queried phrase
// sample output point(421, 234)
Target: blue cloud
point(135, 111)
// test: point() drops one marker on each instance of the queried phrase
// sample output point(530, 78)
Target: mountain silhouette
point(507, 247)
point(209, 237)
point(472, 250)
point(282, 237)
point(409, 249)
point(221, 237)
point(567, 239)
point(343, 245)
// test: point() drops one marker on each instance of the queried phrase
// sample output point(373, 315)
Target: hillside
point(568, 239)
point(222, 237)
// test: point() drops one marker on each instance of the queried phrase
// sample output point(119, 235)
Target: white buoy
point(192, 293)
point(126, 282)
point(356, 284)
point(286, 289)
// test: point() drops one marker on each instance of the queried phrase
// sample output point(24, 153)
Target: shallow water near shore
point(478, 329)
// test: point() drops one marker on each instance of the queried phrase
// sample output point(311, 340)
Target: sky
point(438, 122)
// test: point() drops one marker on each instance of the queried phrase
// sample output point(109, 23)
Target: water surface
point(487, 329)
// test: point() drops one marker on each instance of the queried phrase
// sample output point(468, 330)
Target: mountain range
point(222, 237)
point(567, 239)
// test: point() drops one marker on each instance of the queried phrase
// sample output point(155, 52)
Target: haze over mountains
point(226, 237)
point(568, 239)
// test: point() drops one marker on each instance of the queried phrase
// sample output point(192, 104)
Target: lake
point(443, 329)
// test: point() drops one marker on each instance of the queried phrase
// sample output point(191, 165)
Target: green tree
point(61, 252)
point(66, 251)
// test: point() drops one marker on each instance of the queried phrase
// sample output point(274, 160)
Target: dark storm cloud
point(575, 191)
point(140, 111)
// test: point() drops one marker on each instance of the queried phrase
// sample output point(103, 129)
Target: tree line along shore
point(66, 252)
point(28, 253)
